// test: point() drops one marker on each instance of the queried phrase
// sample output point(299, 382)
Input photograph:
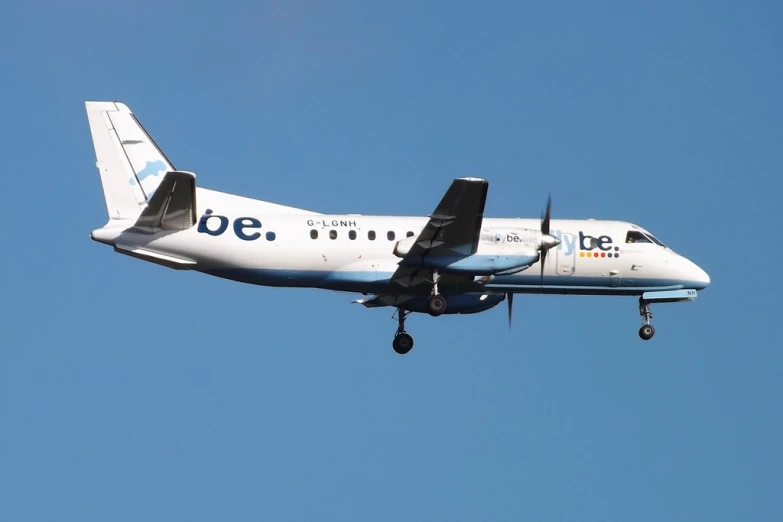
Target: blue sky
point(133, 392)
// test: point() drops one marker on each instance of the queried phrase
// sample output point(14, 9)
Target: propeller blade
point(545, 221)
point(547, 216)
point(510, 299)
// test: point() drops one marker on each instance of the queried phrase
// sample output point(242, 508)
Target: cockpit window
point(655, 240)
point(634, 236)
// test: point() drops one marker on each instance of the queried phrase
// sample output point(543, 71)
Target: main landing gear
point(403, 342)
point(436, 304)
point(647, 331)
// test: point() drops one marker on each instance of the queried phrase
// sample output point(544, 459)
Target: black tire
point(403, 343)
point(436, 305)
point(646, 332)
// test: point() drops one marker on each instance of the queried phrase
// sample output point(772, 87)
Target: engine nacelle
point(509, 238)
point(404, 246)
point(500, 251)
point(501, 241)
point(458, 304)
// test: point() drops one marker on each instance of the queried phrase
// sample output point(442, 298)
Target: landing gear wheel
point(436, 305)
point(646, 332)
point(402, 343)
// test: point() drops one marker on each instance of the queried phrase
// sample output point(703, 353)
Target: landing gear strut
point(647, 331)
point(403, 342)
point(436, 304)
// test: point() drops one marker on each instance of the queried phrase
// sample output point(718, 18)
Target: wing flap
point(384, 300)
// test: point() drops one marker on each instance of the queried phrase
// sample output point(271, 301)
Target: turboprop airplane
point(453, 261)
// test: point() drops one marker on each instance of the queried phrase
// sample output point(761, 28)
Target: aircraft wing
point(452, 231)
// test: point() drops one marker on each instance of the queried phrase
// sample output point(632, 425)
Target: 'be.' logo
point(603, 243)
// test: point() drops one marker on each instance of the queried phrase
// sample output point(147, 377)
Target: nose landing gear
point(647, 330)
point(403, 341)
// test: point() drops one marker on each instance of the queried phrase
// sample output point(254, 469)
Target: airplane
point(453, 261)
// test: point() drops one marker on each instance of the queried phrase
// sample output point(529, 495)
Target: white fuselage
point(261, 243)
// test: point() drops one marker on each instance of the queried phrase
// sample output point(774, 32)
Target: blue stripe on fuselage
point(374, 282)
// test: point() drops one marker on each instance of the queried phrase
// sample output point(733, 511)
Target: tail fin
point(130, 163)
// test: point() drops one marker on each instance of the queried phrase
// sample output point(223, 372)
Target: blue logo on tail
point(150, 169)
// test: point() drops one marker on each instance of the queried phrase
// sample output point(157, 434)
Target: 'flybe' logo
point(589, 246)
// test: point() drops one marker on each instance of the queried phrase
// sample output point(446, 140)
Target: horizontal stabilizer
point(169, 261)
point(173, 205)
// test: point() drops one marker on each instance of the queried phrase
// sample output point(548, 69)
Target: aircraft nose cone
point(700, 278)
point(705, 278)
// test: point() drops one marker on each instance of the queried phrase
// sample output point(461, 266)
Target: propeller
point(547, 240)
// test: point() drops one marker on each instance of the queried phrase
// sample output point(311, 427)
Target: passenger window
point(371, 235)
point(352, 235)
point(332, 234)
point(390, 235)
point(409, 234)
point(634, 236)
point(313, 234)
